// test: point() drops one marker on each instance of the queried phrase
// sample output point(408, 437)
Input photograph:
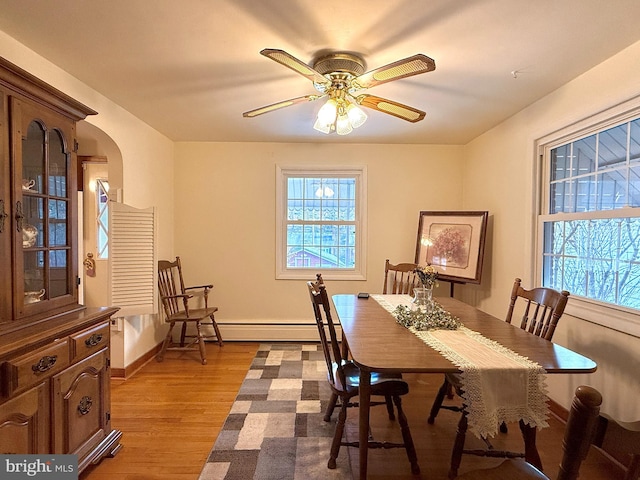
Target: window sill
point(615, 317)
point(310, 274)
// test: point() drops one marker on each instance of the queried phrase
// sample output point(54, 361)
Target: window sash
point(348, 229)
point(589, 175)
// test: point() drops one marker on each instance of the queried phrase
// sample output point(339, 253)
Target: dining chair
point(400, 278)
point(540, 309)
point(578, 436)
point(584, 428)
point(175, 301)
point(344, 379)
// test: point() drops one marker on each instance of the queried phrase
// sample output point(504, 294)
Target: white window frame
point(619, 318)
point(360, 174)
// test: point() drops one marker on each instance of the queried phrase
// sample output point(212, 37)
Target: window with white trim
point(589, 226)
point(320, 222)
point(102, 217)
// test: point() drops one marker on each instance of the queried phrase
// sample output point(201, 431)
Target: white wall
point(225, 218)
point(498, 176)
point(146, 177)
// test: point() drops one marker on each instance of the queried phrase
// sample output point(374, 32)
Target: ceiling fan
point(341, 77)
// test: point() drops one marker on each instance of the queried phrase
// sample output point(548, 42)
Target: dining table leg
point(363, 431)
point(531, 454)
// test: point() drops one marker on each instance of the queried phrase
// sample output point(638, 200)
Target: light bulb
point(356, 116)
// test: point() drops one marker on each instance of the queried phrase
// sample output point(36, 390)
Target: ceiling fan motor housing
point(340, 63)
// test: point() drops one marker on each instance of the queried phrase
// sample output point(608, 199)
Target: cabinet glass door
point(43, 214)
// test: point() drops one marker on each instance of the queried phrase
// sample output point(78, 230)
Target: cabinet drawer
point(89, 341)
point(29, 369)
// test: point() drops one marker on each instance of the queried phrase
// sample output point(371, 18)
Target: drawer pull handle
point(85, 405)
point(93, 340)
point(44, 364)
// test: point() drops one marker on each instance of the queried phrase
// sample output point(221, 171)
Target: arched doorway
point(99, 163)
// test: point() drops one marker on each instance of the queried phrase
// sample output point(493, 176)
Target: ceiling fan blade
point(283, 104)
point(296, 65)
point(396, 109)
point(407, 67)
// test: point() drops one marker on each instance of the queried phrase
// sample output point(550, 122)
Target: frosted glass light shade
point(356, 116)
point(322, 127)
point(327, 114)
point(343, 125)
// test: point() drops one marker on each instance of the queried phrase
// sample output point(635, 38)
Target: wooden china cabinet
point(54, 352)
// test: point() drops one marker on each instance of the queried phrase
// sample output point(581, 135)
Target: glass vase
point(422, 298)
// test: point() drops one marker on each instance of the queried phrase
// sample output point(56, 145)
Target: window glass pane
point(629, 289)
point(552, 268)
point(586, 194)
point(629, 229)
point(560, 197)
point(584, 155)
point(634, 186)
point(576, 238)
point(560, 162)
point(330, 209)
point(612, 146)
point(612, 190)
point(634, 141)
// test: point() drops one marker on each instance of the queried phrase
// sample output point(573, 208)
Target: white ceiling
point(189, 68)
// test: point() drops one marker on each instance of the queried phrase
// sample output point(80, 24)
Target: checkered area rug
point(275, 430)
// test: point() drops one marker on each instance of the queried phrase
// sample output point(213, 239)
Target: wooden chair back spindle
point(400, 278)
point(542, 311)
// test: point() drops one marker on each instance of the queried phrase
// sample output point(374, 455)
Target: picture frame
point(453, 242)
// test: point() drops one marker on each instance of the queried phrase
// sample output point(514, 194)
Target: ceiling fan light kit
point(341, 76)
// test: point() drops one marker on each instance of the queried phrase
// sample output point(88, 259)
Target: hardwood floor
point(170, 414)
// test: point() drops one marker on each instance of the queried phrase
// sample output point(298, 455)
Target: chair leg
point(450, 392)
point(203, 352)
point(183, 333)
point(337, 436)
point(217, 330)
point(332, 405)
point(458, 446)
point(165, 343)
point(389, 402)
point(531, 454)
point(406, 437)
point(437, 402)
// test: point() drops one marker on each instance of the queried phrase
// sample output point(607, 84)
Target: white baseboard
point(268, 332)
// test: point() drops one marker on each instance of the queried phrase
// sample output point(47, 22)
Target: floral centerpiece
point(436, 318)
point(427, 275)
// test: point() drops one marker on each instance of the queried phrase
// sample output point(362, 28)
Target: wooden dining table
point(376, 342)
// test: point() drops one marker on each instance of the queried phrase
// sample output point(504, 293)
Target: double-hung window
point(321, 215)
point(589, 227)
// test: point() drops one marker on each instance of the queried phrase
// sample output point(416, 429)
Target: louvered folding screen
point(132, 255)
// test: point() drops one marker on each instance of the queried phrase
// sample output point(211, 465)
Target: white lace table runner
point(499, 385)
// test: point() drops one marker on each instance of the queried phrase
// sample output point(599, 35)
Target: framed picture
point(453, 242)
